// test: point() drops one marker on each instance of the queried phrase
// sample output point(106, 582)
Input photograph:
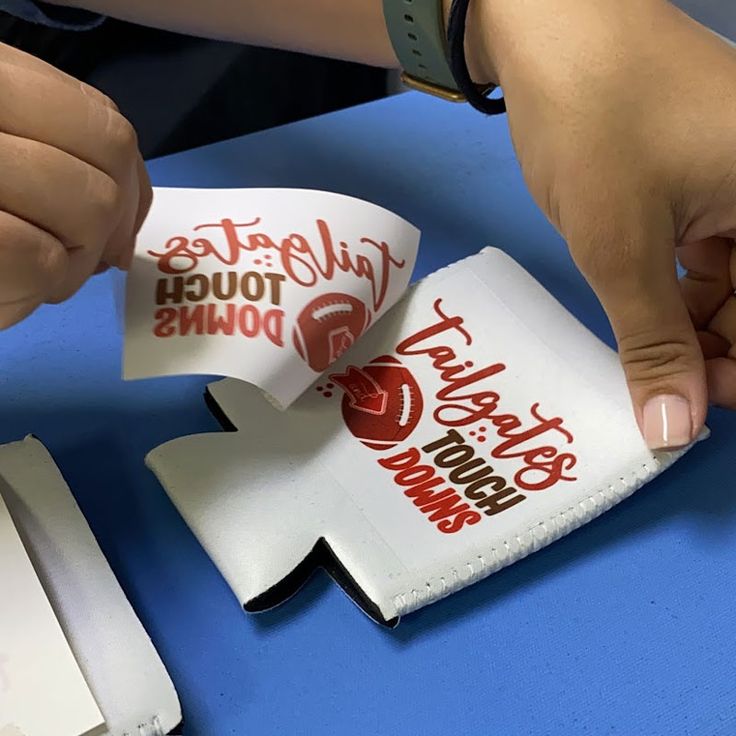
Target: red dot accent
point(469, 364)
point(481, 429)
point(330, 385)
point(319, 388)
point(472, 434)
point(327, 394)
point(258, 262)
point(481, 439)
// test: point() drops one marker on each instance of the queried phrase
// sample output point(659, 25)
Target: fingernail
point(667, 422)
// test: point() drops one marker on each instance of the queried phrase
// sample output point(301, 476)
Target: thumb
point(635, 279)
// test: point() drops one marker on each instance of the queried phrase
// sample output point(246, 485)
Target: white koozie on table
point(113, 651)
point(476, 423)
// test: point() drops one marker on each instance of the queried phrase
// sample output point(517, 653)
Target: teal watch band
point(417, 32)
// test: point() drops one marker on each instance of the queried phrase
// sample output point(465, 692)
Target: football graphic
point(327, 327)
point(382, 404)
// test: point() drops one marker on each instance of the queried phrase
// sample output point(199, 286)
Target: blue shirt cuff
point(51, 15)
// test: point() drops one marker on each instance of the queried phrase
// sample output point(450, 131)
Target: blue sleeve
point(50, 15)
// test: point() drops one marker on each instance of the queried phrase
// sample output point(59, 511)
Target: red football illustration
point(383, 402)
point(327, 327)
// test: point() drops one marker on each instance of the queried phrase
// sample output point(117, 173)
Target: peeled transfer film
point(270, 286)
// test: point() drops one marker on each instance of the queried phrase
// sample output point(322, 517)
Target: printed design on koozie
point(483, 459)
point(382, 404)
point(327, 327)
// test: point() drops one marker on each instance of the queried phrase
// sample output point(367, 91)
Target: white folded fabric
point(476, 423)
point(116, 656)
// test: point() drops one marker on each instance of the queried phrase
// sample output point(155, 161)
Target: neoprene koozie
point(112, 650)
point(475, 424)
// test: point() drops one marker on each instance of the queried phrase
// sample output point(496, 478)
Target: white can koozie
point(478, 422)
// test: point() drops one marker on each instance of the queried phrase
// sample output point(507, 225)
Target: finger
point(76, 203)
point(12, 314)
point(83, 263)
point(633, 273)
point(19, 62)
point(119, 250)
point(145, 199)
point(70, 116)
point(713, 346)
point(724, 321)
point(707, 283)
point(722, 381)
point(32, 265)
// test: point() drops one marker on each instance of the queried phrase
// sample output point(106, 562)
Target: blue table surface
point(624, 627)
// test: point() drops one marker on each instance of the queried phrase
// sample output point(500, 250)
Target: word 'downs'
point(305, 258)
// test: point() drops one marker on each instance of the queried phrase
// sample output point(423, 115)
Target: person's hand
point(73, 191)
point(623, 114)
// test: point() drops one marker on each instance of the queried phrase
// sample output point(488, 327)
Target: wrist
point(507, 40)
